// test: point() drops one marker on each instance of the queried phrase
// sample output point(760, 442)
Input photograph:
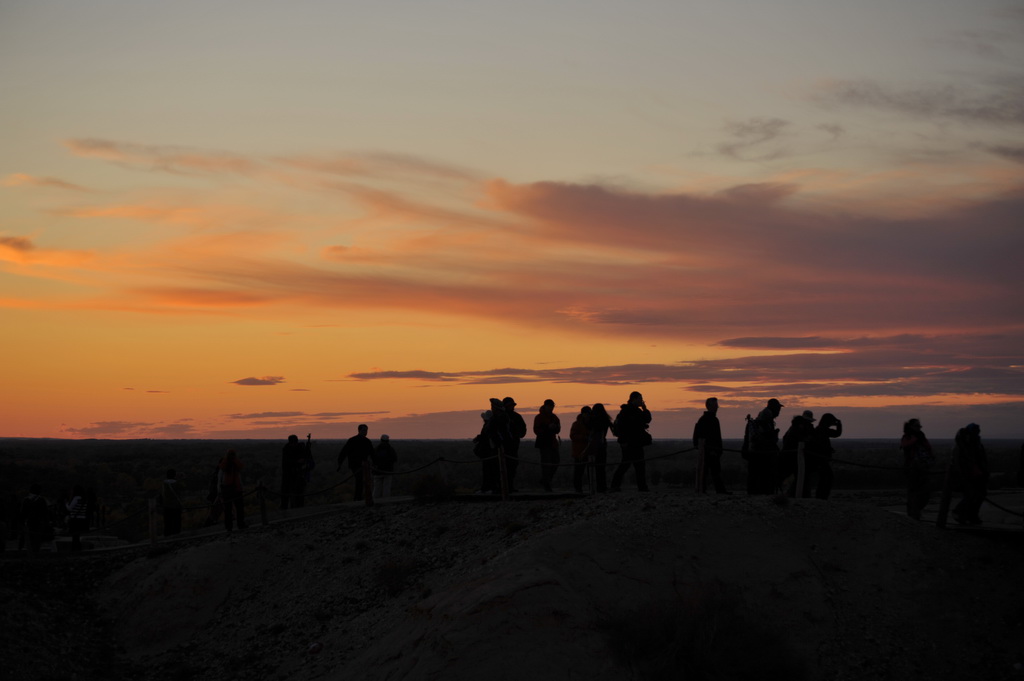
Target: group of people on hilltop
point(968, 468)
point(772, 465)
point(504, 428)
point(367, 463)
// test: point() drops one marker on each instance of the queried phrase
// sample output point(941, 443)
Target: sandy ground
point(624, 586)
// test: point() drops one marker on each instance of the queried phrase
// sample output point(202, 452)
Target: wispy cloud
point(750, 139)
point(25, 180)
point(264, 380)
point(998, 102)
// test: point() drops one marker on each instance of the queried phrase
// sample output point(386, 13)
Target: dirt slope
point(662, 585)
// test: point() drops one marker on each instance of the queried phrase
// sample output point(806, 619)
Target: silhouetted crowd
point(797, 464)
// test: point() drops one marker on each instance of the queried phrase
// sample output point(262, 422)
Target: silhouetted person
point(383, 459)
point(800, 429)
point(517, 431)
point(170, 500)
point(630, 427)
point(546, 427)
point(818, 455)
point(597, 447)
point(970, 464)
point(483, 450)
point(579, 438)
point(709, 429)
point(296, 465)
point(36, 518)
point(77, 517)
point(917, 461)
point(357, 451)
point(764, 450)
point(231, 490)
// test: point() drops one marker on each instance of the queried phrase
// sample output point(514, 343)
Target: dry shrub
point(706, 635)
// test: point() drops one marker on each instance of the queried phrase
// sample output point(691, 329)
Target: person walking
point(357, 452)
point(546, 427)
point(917, 462)
point(709, 429)
point(630, 428)
point(230, 482)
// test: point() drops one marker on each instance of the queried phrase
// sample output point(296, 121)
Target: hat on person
point(384, 437)
point(775, 403)
point(509, 400)
point(808, 414)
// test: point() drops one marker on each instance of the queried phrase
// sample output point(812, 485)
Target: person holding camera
point(630, 428)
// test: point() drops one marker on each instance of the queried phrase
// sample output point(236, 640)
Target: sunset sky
point(249, 219)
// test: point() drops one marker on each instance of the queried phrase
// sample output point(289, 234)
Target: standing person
point(77, 514)
point(630, 427)
point(292, 455)
point(36, 518)
point(970, 464)
point(800, 429)
point(917, 461)
point(546, 427)
point(579, 438)
point(597, 446)
point(516, 431)
point(482, 449)
point(709, 429)
point(764, 450)
point(230, 479)
point(383, 460)
point(170, 500)
point(357, 451)
point(818, 454)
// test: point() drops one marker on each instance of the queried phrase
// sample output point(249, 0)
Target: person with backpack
point(761, 448)
point(800, 429)
point(630, 428)
point(357, 451)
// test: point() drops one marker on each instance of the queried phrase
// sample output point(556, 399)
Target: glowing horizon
point(328, 217)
